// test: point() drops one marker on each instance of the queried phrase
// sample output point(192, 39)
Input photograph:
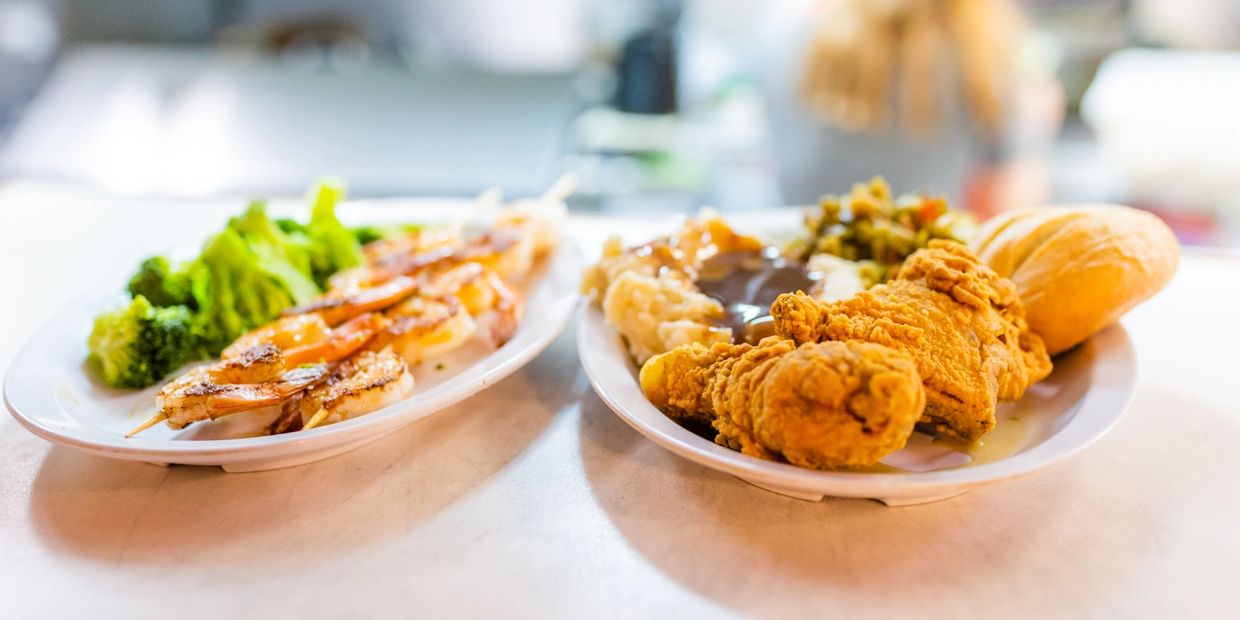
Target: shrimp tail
point(509, 308)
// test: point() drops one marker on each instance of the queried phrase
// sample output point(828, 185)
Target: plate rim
point(1120, 359)
point(567, 258)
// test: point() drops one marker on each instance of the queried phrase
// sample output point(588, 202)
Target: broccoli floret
point(369, 234)
point(332, 246)
point(136, 346)
point(290, 226)
point(279, 255)
point(239, 286)
point(366, 234)
point(160, 284)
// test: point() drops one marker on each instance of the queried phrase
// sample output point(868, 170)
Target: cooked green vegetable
point(372, 233)
point(140, 344)
point(869, 226)
point(245, 276)
point(268, 250)
point(242, 281)
point(332, 246)
point(160, 284)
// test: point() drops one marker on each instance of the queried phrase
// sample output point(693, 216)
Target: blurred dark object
point(317, 42)
point(647, 74)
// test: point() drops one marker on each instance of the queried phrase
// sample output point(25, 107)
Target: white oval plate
point(1083, 398)
point(50, 392)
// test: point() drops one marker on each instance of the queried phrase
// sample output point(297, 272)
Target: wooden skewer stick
point(561, 189)
point(151, 421)
point(314, 421)
point(489, 198)
point(483, 204)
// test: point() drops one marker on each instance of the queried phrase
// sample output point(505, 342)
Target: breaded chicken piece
point(961, 323)
point(835, 404)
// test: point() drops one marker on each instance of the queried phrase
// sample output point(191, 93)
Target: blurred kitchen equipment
point(1168, 120)
point(170, 121)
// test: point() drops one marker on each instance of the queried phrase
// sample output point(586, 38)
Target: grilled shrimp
point(194, 396)
point(384, 268)
point(493, 293)
point(365, 382)
point(416, 242)
point(342, 304)
point(521, 233)
point(291, 341)
point(284, 333)
point(424, 327)
point(257, 364)
point(480, 291)
point(254, 372)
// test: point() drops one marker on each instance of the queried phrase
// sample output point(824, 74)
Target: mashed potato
point(647, 292)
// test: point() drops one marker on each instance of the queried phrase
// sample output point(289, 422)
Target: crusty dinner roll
point(1079, 268)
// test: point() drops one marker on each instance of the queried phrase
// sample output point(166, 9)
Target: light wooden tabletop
point(532, 499)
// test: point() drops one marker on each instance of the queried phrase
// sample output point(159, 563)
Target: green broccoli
point(278, 253)
point(136, 346)
point(371, 233)
point(245, 276)
point(239, 284)
point(160, 284)
point(332, 246)
point(366, 234)
point(291, 226)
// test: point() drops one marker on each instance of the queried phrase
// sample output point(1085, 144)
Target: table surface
point(532, 499)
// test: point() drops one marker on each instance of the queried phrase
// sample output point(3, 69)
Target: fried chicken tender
point(961, 323)
point(648, 291)
point(834, 404)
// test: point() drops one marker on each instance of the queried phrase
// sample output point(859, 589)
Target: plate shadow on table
point(121, 511)
point(758, 552)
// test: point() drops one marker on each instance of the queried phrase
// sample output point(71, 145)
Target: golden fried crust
point(838, 404)
point(679, 381)
point(962, 325)
point(826, 405)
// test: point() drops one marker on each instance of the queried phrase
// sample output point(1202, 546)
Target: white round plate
point(50, 391)
point(1083, 398)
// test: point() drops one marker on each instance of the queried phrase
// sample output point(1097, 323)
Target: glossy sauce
point(747, 283)
point(1011, 435)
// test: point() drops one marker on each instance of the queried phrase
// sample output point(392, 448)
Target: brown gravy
point(747, 283)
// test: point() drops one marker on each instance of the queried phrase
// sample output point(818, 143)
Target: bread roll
point(1079, 268)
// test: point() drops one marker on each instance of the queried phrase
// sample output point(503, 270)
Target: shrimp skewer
point(521, 233)
point(485, 292)
point(258, 356)
point(340, 305)
point(417, 242)
point(481, 291)
point(444, 318)
point(417, 297)
point(284, 333)
point(367, 381)
point(255, 373)
point(194, 396)
point(423, 328)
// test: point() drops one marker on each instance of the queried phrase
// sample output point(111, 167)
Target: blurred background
point(656, 105)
